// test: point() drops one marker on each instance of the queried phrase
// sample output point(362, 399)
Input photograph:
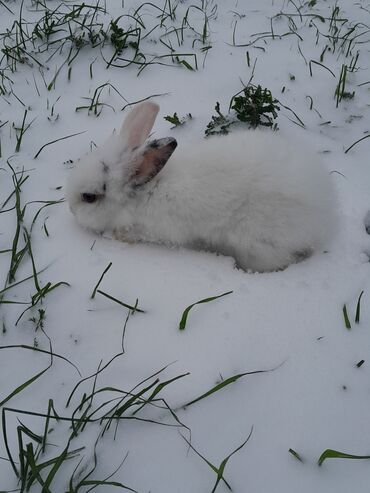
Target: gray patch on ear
point(159, 143)
point(165, 148)
point(154, 156)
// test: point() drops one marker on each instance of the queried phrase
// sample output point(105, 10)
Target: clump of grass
point(122, 42)
point(96, 105)
point(346, 318)
point(340, 90)
point(41, 291)
point(21, 251)
point(33, 470)
point(39, 466)
point(17, 252)
point(118, 37)
point(122, 39)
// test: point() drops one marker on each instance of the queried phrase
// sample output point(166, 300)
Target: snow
point(290, 322)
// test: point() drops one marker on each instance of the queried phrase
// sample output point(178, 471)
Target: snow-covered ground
point(292, 322)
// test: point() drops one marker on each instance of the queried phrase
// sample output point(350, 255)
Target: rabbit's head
point(110, 177)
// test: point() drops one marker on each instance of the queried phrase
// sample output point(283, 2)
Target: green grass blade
point(184, 317)
point(32, 348)
point(100, 280)
point(6, 443)
point(53, 142)
point(212, 466)
point(355, 143)
point(35, 473)
point(19, 282)
point(335, 454)
point(92, 482)
point(90, 376)
point(130, 307)
point(358, 308)
point(221, 469)
point(347, 322)
point(58, 463)
point(296, 455)
point(223, 384)
point(47, 421)
point(159, 389)
point(24, 385)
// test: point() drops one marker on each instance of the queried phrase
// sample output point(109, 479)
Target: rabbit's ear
point(138, 124)
point(151, 161)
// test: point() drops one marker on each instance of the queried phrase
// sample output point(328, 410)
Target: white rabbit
point(251, 194)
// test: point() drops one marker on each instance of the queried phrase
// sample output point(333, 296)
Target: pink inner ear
point(138, 124)
point(147, 169)
point(153, 159)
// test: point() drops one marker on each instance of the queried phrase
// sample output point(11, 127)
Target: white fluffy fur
point(250, 194)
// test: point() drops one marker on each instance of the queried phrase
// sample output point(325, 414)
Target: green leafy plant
point(176, 121)
point(253, 105)
point(118, 37)
point(256, 106)
point(219, 123)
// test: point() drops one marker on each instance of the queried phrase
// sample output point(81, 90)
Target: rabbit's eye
point(89, 197)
